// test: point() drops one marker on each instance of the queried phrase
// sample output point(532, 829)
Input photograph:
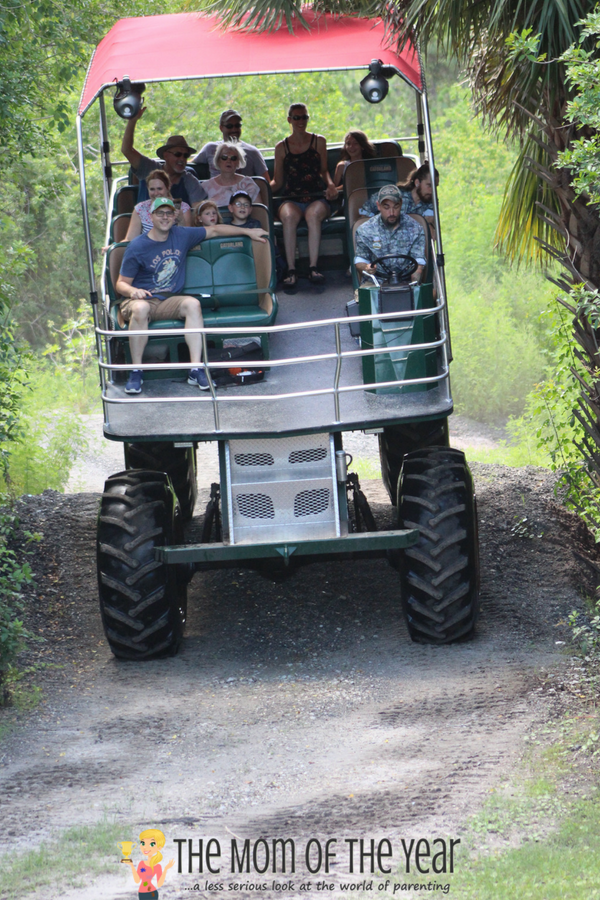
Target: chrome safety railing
point(338, 355)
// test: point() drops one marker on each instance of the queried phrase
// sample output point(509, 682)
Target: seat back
point(234, 270)
point(265, 196)
point(114, 258)
point(118, 227)
point(428, 270)
point(373, 174)
point(388, 148)
point(125, 199)
point(201, 170)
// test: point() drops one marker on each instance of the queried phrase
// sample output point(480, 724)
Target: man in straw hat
point(173, 157)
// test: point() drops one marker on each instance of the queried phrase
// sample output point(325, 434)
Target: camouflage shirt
point(374, 239)
point(408, 205)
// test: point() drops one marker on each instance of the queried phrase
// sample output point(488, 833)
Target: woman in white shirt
point(229, 157)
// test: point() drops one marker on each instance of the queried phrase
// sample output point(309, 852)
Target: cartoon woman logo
point(150, 869)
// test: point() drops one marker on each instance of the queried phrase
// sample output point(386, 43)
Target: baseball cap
point(229, 114)
point(161, 201)
point(390, 192)
point(237, 194)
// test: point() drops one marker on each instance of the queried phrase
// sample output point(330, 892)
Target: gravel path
point(297, 708)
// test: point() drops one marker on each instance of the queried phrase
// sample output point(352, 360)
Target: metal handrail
point(339, 355)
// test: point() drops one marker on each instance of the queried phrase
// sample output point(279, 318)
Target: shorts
point(169, 308)
point(304, 206)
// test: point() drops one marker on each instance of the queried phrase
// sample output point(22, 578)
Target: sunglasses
point(235, 125)
point(179, 154)
point(232, 157)
point(300, 118)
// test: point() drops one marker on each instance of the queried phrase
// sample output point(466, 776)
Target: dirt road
point(296, 709)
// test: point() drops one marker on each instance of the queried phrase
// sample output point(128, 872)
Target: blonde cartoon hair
point(154, 834)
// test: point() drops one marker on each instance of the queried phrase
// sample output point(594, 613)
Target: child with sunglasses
point(302, 175)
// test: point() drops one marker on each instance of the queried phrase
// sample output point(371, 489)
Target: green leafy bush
point(14, 575)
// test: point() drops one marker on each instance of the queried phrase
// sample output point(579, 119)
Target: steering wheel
point(400, 272)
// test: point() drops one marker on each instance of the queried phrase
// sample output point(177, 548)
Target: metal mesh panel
point(282, 489)
point(255, 506)
point(289, 455)
point(312, 502)
point(254, 459)
point(315, 454)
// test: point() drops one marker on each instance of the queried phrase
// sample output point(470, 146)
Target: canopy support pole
point(422, 103)
point(105, 154)
point(89, 252)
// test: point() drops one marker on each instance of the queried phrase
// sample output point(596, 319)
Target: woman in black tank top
point(302, 177)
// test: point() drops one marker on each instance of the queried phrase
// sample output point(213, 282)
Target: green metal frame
point(397, 336)
point(352, 543)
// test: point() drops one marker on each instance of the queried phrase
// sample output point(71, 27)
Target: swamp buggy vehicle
point(332, 365)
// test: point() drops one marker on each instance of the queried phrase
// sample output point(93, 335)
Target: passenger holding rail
point(228, 158)
point(173, 157)
point(230, 124)
point(141, 220)
point(357, 146)
point(151, 280)
point(301, 171)
point(390, 232)
point(417, 195)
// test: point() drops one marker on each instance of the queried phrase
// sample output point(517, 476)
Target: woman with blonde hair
point(151, 840)
point(229, 157)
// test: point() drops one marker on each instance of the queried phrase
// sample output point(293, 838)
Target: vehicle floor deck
point(242, 413)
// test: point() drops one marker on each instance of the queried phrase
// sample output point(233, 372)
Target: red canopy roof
point(190, 45)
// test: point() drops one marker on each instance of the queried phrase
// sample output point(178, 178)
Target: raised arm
point(278, 175)
point(331, 191)
point(255, 234)
point(127, 148)
point(338, 177)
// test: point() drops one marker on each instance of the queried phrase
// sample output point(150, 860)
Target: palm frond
point(521, 233)
point(270, 15)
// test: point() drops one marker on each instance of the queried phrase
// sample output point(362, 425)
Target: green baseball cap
point(161, 201)
point(390, 192)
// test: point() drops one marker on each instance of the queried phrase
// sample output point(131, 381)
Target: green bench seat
point(234, 279)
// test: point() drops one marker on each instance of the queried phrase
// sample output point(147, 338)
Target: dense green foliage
point(500, 344)
point(583, 74)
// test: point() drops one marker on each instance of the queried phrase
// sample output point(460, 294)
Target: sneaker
point(134, 383)
point(198, 378)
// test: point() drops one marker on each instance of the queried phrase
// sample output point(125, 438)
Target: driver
point(391, 232)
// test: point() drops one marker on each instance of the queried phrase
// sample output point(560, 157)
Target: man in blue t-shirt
point(151, 280)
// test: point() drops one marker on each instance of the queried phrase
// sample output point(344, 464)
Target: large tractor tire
point(440, 574)
point(143, 602)
point(398, 440)
point(178, 462)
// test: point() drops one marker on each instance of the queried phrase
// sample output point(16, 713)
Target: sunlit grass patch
point(73, 860)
